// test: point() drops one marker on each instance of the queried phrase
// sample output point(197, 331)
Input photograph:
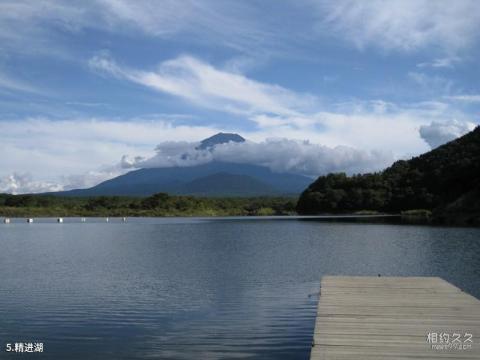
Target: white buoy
point(107, 219)
point(124, 219)
point(60, 220)
point(6, 221)
point(83, 219)
point(29, 220)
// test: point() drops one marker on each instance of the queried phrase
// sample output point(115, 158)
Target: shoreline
point(379, 219)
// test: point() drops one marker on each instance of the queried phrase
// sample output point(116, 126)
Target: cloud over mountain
point(438, 133)
point(280, 155)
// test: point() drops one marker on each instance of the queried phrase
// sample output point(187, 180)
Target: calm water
point(200, 288)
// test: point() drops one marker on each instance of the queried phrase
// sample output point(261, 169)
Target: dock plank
point(390, 318)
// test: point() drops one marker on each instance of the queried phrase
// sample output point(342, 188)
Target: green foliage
point(430, 181)
point(160, 204)
point(265, 211)
point(155, 201)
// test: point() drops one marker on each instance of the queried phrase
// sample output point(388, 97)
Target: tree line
point(160, 204)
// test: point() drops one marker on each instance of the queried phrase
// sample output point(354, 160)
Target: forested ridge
point(445, 181)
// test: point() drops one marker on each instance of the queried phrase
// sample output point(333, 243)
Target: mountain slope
point(444, 178)
point(225, 184)
point(174, 180)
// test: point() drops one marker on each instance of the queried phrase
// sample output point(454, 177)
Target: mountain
point(220, 138)
point(211, 179)
point(445, 180)
point(192, 180)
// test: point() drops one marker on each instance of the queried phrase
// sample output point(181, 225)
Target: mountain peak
point(220, 138)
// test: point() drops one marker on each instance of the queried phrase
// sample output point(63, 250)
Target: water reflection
point(200, 288)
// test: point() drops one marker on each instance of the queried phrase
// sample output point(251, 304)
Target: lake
point(192, 288)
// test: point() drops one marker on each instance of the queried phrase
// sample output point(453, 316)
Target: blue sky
point(91, 89)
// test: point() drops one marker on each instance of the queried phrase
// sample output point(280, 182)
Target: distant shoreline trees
point(160, 204)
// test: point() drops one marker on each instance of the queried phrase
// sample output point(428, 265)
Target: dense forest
point(160, 204)
point(445, 181)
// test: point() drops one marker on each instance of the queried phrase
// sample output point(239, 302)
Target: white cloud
point(207, 86)
point(435, 83)
point(39, 27)
point(34, 27)
point(43, 26)
point(280, 155)
point(7, 83)
point(403, 25)
point(383, 130)
point(24, 183)
point(70, 153)
point(58, 149)
point(81, 152)
point(446, 62)
point(229, 23)
point(438, 133)
point(90, 178)
point(465, 98)
point(277, 111)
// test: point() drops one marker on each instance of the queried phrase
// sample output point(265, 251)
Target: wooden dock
point(365, 318)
